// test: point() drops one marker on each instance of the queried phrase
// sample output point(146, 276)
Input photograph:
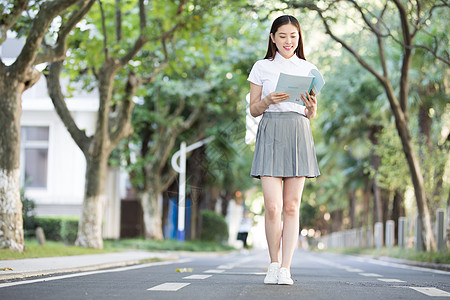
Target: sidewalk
point(22, 268)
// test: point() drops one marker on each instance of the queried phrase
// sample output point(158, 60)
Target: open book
point(295, 85)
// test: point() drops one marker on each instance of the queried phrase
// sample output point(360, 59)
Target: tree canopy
point(176, 71)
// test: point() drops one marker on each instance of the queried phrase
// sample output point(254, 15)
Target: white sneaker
point(284, 277)
point(272, 273)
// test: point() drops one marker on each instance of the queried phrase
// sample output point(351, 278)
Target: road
point(240, 276)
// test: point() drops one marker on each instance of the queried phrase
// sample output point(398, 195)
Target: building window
point(34, 152)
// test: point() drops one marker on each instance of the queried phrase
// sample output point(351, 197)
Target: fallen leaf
point(6, 269)
point(184, 270)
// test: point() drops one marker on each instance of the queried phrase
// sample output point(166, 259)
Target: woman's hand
point(274, 97)
point(311, 105)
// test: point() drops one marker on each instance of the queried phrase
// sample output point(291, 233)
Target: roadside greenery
point(400, 253)
point(214, 227)
point(58, 248)
point(165, 245)
point(364, 174)
point(50, 249)
point(55, 228)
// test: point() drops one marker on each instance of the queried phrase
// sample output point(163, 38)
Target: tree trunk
point(152, 216)
point(401, 124)
point(426, 145)
point(336, 220)
point(385, 202)
point(448, 220)
point(196, 194)
point(377, 204)
point(352, 208)
point(197, 182)
point(11, 223)
point(196, 217)
point(366, 204)
point(375, 161)
point(397, 210)
point(225, 201)
point(385, 199)
point(212, 195)
point(424, 122)
point(90, 224)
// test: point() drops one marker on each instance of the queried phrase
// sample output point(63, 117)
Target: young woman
point(284, 151)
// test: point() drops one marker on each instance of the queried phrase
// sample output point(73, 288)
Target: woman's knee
point(291, 208)
point(272, 211)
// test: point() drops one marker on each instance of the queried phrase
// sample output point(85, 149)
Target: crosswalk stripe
point(169, 286)
point(431, 291)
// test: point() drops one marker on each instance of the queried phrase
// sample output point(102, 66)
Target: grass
point(401, 253)
point(53, 248)
point(165, 245)
point(50, 249)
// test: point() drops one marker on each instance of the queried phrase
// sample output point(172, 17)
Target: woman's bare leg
point(273, 192)
point(292, 193)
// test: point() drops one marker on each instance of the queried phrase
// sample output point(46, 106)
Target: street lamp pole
point(181, 168)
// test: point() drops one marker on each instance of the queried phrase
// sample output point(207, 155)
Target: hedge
point(214, 227)
point(55, 228)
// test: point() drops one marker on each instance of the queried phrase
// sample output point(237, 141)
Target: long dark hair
point(280, 21)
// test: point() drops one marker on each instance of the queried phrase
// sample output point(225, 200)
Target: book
point(295, 85)
point(318, 82)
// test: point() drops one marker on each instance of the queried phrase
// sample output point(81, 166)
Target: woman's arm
point(258, 105)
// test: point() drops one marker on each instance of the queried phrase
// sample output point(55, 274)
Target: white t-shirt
point(265, 73)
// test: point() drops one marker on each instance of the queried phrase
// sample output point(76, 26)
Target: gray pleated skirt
point(284, 147)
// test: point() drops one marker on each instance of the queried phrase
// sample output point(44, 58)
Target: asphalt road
point(240, 276)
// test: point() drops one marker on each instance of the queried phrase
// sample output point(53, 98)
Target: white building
point(52, 166)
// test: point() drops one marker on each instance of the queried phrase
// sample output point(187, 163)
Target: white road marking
point(390, 280)
point(370, 274)
point(245, 273)
point(169, 286)
point(2, 285)
point(354, 270)
point(214, 271)
point(198, 276)
point(225, 267)
point(431, 291)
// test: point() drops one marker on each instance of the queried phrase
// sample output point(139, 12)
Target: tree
point(159, 122)
point(187, 102)
point(429, 82)
point(115, 103)
point(14, 80)
point(412, 21)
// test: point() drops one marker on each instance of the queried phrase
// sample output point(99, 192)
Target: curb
point(172, 255)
